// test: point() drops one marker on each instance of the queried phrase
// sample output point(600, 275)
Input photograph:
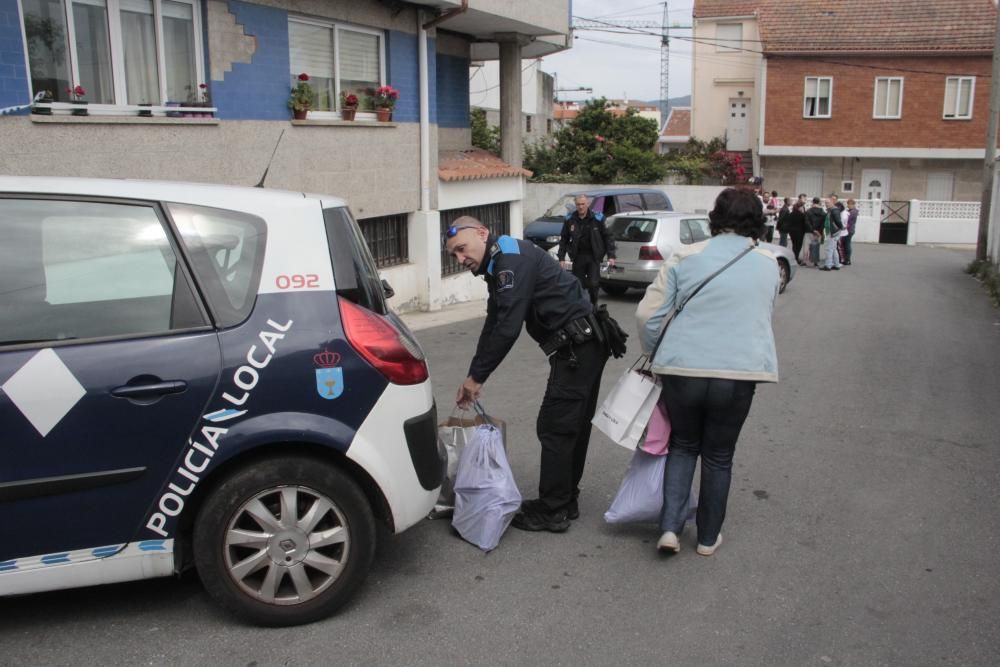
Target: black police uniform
point(587, 240)
point(527, 287)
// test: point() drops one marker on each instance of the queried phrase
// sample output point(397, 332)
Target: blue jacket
point(725, 330)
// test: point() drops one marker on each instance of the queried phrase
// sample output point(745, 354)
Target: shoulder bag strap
point(679, 308)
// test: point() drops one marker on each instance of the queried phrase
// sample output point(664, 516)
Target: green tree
point(598, 147)
point(484, 135)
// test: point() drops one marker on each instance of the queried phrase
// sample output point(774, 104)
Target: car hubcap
point(286, 545)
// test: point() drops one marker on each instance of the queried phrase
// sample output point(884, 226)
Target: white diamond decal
point(44, 390)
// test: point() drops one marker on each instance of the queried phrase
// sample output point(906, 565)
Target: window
point(818, 97)
point(353, 267)
point(888, 97)
point(958, 95)
point(86, 270)
point(940, 186)
point(548, 126)
point(119, 51)
point(700, 231)
point(227, 253)
point(527, 123)
point(635, 230)
point(339, 59)
point(631, 202)
point(387, 239)
point(657, 202)
point(728, 37)
point(496, 217)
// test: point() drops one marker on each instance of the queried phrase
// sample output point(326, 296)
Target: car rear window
point(563, 206)
point(657, 201)
point(354, 268)
point(638, 230)
point(227, 255)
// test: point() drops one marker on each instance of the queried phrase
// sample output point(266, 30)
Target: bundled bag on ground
point(453, 435)
point(486, 497)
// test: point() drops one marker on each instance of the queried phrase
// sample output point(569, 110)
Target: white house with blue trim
point(197, 90)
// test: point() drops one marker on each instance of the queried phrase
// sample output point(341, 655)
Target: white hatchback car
point(644, 240)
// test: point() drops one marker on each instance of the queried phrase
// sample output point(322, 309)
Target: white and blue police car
point(202, 376)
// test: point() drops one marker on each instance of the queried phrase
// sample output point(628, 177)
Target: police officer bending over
point(527, 287)
point(587, 240)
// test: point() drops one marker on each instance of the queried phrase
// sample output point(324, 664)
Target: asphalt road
point(863, 525)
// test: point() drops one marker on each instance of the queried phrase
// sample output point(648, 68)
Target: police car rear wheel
point(284, 541)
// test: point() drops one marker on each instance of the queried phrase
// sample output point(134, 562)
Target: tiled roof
point(882, 26)
point(564, 114)
point(678, 123)
point(714, 8)
point(474, 164)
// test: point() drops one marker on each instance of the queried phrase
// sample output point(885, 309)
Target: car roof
point(615, 191)
point(660, 215)
point(234, 197)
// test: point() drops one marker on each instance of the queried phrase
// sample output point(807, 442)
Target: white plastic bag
point(486, 497)
point(627, 408)
point(640, 497)
point(453, 434)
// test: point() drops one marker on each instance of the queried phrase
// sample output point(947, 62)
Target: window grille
point(495, 216)
point(387, 239)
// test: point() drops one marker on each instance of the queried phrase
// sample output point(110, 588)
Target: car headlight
point(552, 239)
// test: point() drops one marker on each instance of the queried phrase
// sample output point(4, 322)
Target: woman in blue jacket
point(712, 355)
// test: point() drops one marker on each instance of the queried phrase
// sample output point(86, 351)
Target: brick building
point(867, 98)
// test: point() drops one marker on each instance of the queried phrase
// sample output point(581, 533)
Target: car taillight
point(382, 345)
point(649, 252)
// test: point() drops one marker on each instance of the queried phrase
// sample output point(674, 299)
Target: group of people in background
point(826, 223)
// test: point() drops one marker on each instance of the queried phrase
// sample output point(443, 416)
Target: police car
point(202, 376)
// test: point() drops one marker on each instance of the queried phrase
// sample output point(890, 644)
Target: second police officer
point(587, 240)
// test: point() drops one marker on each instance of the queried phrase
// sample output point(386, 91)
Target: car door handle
point(149, 390)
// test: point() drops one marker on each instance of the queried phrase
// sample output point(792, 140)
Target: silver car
point(645, 240)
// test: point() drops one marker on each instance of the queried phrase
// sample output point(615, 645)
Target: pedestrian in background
point(815, 219)
point(528, 290)
point(782, 226)
point(711, 357)
point(832, 226)
point(587, 240)
point(796, 225)
point(852, 221)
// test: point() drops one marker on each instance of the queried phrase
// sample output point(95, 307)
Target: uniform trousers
point(563, 425)
point(587, 269)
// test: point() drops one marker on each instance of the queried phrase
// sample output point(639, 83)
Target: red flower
point(203, 86)
point(303, 77)
point(599, 138)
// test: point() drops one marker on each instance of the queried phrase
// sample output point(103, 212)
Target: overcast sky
point(630, 64)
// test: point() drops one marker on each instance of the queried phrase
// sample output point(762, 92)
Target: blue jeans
point(814, 250)
point(706, 416)
point(832, 256)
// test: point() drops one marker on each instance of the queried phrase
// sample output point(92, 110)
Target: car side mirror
point(387, 289)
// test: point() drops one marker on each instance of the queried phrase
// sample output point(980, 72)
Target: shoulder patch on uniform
point(599, 216)
point(505, 280)
point(508, 245)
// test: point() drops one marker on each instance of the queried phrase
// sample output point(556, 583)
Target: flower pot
point(146, 112)
point(81, 111)
point(42, 111)
point(347, 113)
point(383, 115)
point(299, 114)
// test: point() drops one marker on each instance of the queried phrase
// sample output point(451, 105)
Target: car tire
point(266, 568)
point(783, 273)
point(614, 290)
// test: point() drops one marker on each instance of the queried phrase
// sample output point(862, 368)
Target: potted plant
point(384, 100)
point(42, 97)
point(302, 97)
point(76, 93)
point(197, 98)
point(348, 105)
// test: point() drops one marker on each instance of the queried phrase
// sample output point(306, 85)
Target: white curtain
point(178, 52)
point(139, 42)
point(93, 51)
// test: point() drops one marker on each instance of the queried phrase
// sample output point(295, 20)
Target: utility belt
point(578, 331)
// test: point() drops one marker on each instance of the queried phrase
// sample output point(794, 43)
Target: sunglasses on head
point(455, 230)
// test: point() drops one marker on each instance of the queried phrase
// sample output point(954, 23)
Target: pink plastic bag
point(657, 440)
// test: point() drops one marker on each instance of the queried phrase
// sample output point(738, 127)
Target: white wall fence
point(930, 221)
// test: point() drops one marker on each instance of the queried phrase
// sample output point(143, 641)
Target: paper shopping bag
point(626, 410)
point(657, 440)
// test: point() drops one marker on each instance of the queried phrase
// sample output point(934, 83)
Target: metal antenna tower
point(664, 67)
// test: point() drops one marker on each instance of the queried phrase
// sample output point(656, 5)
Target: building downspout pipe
point(425, 122)
point(447, 15)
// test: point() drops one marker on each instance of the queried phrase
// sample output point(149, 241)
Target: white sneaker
point(668, 543)
point(708, 551)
